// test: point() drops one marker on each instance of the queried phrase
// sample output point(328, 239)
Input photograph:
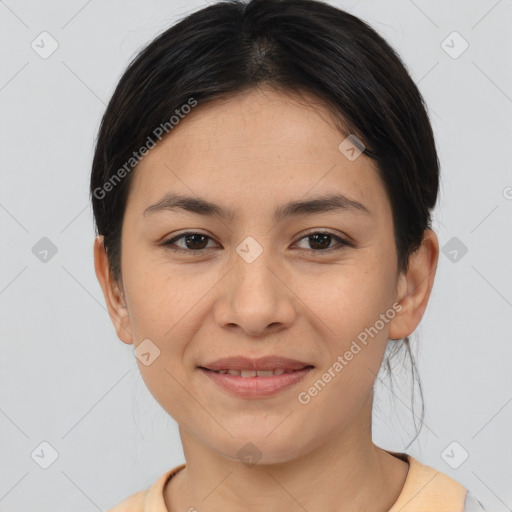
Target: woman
point(262, 188)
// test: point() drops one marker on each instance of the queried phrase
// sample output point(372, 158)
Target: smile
point(255, 383)
point(254, 373)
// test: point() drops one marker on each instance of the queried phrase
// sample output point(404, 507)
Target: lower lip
point(254, 387)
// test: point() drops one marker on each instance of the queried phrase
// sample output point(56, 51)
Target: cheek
point(356, 312)
point(161, 298)
point(338, 389)
point(349, 299)
point(168, 384)
point(169, 319)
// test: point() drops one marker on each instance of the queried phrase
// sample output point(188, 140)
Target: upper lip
point(262, 363)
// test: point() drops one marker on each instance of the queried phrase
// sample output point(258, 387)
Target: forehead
point(256, 146)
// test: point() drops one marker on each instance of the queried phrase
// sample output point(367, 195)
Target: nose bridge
point(255, 297)
point(252, 275)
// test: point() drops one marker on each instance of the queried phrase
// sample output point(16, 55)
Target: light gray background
point(65, 377)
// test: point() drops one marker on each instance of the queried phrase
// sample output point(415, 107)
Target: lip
point(261, 363)
point(256, 387)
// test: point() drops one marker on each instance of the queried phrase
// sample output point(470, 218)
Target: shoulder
point(426, 488)
point(150, 499)
point(134, 503)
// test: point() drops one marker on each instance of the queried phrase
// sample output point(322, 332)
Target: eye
point(321, 242)
point(195, 243)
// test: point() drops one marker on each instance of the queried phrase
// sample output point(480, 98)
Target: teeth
point(254, 373)
point(265, 373)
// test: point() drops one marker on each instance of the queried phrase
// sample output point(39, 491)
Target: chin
point(257, 448)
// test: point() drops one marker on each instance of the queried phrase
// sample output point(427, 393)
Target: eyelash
point(314, 252)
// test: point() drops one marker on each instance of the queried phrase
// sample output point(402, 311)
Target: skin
point(250, 153)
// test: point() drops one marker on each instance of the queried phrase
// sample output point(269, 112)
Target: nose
point(255, 298)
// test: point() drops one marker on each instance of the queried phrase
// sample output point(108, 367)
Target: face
point(309, 285)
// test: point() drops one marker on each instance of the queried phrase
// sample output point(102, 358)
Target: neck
point(345, 472)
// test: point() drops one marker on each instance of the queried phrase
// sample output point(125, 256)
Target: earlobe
point(114, 297)
point(414, 287)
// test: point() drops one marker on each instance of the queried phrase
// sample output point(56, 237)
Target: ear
point(414, 287)
point(114, 297)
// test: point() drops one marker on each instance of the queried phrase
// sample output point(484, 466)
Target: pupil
point(325, 236)
point(194, 246)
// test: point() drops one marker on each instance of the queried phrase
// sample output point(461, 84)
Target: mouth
point(256, 373)
point(248, 377)
point(255, 384)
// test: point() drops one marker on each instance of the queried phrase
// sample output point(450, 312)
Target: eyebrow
point(335, 202)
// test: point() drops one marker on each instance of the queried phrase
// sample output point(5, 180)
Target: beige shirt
point(425, 489)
